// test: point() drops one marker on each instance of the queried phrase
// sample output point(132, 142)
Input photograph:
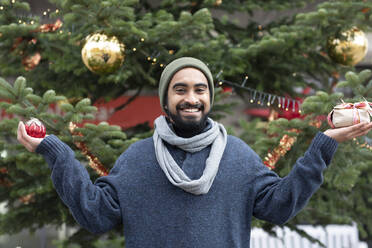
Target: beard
point(187, 127)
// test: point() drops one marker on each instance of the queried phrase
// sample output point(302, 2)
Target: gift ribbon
point(355, 106)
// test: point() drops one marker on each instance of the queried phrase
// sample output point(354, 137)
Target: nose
point(191, 98)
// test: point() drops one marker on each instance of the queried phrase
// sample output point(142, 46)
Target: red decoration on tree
point(45, 28)
point(31, 61)
point(94, 162)
point(285, 144)
point(35, 128)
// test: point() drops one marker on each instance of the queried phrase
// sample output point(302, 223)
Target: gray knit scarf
point(216, 136)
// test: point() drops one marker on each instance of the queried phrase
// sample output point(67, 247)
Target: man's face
point(188, 101)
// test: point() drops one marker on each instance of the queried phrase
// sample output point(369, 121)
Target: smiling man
point(191, 184)
point(187, 101)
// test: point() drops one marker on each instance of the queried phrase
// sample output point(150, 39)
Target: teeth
point(191, 110)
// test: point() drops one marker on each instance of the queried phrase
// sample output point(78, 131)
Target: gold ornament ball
point(349, 50)
point(217, 2)
point(102, 54)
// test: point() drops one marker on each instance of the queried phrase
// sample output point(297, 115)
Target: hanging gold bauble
point(217, 2)
point(349, 50)
point(102, 54)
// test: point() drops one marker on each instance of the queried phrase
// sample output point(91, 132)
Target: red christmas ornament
point(35, 128)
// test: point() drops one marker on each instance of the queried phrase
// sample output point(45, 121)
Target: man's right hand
point(26, 140)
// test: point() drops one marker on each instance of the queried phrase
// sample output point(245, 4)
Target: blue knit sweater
point(154, 213)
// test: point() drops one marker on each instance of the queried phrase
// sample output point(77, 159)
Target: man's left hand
point(347, 133)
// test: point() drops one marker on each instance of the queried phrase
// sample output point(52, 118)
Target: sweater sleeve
point(279, 199)
point(94, 206)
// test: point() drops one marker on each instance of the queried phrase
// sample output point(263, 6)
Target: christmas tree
point(54, 68)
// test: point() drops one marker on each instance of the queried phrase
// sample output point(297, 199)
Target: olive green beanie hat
point(177, 65)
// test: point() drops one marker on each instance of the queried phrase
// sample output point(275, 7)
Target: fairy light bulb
point(134, 49)
point(154, 60)
point(1, 7)
point(45, 13)
point(142, 39)
point(251, 101)
point(148, 58)
point(57, 11)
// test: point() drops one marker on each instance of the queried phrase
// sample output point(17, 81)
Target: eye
point(180, 90)
point(200, 90)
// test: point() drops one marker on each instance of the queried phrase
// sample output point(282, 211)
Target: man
point(190, 185)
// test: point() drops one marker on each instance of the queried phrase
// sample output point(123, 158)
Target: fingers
point(357, 127)
point(28, 142)
point(365, 129)
point(360, 129)
point(21, 132)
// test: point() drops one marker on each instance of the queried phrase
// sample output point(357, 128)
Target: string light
point(13, 1)
point(57, 11)
point(161, 65)
point(142, 39)
point(171, 52)
point(19, 21)
point(45, 13)
point(245, 80)
point(1, 7)
point(134, 49)
point(32, 22)
point(267, 98)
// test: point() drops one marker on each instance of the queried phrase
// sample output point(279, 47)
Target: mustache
point(187, 105)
